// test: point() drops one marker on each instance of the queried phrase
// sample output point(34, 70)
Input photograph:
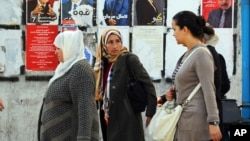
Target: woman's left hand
point(215, 132)
point(170, 94)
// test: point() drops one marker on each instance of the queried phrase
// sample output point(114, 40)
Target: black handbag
point(136, 92)
point(230, 111)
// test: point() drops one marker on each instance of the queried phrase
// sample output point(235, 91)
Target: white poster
point(174, 51)
point(147, 43)
point(10, 52)
point(11, 12)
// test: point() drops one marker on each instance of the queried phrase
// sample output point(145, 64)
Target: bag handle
point(197, 86)
point(131, 74)
point(192, 94)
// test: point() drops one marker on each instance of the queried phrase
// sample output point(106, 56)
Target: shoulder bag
point(163, 124)
point(136, 92)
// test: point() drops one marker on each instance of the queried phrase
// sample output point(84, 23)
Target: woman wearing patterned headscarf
point(118, 119)
point(69, 109)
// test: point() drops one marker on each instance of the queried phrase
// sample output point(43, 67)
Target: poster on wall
point(149, 12)
point(173, 51)
point(78, 12)
point(42, 11)
point(114, 12)
point(11, 12)
point(225, 47)
point(149, 48)
point(40, 51)
point(10, 53)
point(218, 13)
point(180, 5)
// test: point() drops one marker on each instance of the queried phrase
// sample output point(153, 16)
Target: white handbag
point(163, 124)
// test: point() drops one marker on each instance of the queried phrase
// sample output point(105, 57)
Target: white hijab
point(71, 43)
point(211, 40)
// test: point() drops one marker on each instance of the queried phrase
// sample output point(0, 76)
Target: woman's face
point(59, 54)
point(114, 45)
point(178, 33)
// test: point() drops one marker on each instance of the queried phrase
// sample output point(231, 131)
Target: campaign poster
point(42, 11)
point(10, 53)
point(207, 6)
point(40, 50)
point(149, 48)
point(78, 12)
point(172, 50)
point(114, 12)
point(11, 12)
point(218, 13)
point(149, 12)
point(175, 6)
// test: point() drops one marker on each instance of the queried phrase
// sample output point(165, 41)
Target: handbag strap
point(193, 92)
point(131, 74)
point(197, 86)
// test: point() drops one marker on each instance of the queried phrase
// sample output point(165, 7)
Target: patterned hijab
point(71, 43)
point(101, 54)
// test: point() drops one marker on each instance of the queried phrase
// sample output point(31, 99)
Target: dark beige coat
point(202, 109)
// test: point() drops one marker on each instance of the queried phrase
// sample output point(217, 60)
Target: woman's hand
point(159, 101)
point(170, 94)
point(1, 105)
point(215, 132)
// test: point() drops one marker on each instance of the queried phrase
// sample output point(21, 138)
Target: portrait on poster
point(149, 12)
point(79, 12)
point(42, 11)
point(114, 12)
point(218, 13)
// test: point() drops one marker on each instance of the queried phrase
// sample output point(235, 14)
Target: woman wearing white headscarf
point(69, 110)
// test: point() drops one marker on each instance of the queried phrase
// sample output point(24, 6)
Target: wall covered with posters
point(27, 58)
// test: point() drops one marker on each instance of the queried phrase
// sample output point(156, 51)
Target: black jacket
point(124, 124)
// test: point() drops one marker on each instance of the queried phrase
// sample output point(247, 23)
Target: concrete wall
point(22, 99)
